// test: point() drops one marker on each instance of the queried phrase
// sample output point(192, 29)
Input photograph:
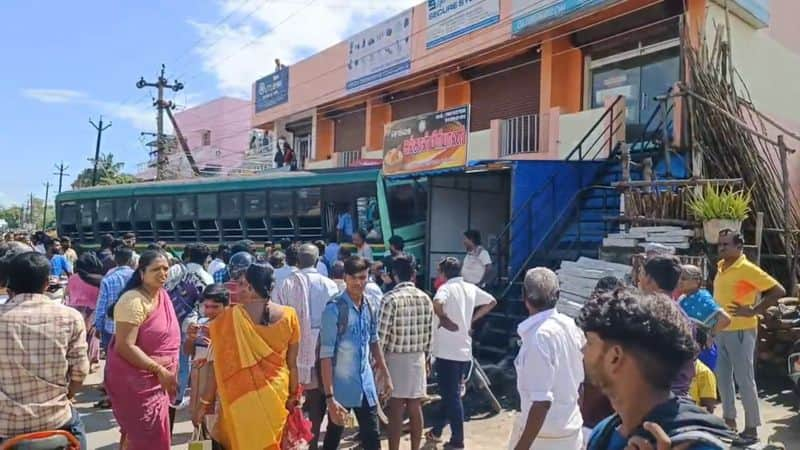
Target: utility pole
point(44, 213)
point(61, 168)
point(30, 211)
point(160, 104)
point(100, 128)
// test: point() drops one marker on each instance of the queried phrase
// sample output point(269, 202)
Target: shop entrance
point(639, 75)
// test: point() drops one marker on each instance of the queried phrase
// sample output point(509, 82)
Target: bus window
point(87, 213)
point(255, 204)
point(143, 209)
point(408, 203)
point(207, 206)
point(184, 207)
point(163, 206)
point(105, 211)
point(122, 209)
point(230, 205)
point(68, 214)
point(369, 218)
point(280, 203)
point(309, 202)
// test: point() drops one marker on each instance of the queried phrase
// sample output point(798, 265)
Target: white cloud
point(54, 95)
point(237, 54)
point(141, 116)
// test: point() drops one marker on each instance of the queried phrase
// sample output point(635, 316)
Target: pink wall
point(228, 119)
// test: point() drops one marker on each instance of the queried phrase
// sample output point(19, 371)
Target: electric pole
point(61, 168)
point(160, 104)
point(30, 211)
point(100, 128)
point(44, 213)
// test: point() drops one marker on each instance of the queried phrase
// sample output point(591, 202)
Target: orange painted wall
point(324, 142)
point(453, 91)
point(566, 83)
point(378, 115)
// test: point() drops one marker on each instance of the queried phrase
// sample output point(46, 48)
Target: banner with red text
point(431, 141)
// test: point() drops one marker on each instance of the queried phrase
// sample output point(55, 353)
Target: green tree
point(13, 214)
point(108, 172)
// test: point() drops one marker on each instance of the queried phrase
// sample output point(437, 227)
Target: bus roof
point(219, 184)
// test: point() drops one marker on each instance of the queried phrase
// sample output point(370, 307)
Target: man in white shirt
point(454, 305)
point(549, 371)
point(362, 248)
point(220, 260)
point(307, 291)
point(477, 265)
point(285, 264)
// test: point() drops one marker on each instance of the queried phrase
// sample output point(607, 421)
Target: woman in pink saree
point(143, 357)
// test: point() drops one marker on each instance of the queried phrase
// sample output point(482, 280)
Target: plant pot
point(711, 228)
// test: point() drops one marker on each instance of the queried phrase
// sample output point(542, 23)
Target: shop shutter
point(500, 92)
point(418, 102)
point(350, 133)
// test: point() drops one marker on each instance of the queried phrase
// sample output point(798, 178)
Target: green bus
point(300, 205)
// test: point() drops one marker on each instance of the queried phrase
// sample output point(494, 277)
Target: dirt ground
point(483, 430)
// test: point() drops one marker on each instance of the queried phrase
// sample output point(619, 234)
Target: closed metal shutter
point(420, 101)
point(350, 132)
point(504, 94)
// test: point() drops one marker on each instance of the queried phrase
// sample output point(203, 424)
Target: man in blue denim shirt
point(347, 345)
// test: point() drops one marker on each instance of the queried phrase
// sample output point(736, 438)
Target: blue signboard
point(451, 19)
point(272, 90)
point(530, 15)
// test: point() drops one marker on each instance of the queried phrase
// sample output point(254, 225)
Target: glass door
point(639, 79)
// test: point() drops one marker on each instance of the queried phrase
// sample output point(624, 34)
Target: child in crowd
point(703, 389)
point(215, 299)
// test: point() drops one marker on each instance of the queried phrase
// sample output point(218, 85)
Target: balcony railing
point(520, 135)
point(344, 159)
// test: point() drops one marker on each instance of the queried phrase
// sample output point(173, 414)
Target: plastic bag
point(297, 433)
point(200, 440)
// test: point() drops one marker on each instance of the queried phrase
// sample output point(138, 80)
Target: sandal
point(103, 404)
point(429, 436)
point(745, 440)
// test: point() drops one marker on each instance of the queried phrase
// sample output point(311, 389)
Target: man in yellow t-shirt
point(703, 389)
point(736, 288)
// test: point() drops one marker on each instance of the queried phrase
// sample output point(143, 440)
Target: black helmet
point(239, 263)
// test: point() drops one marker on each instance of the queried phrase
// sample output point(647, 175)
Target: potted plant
point(719, 208)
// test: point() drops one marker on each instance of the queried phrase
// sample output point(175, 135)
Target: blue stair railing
point(608, 124)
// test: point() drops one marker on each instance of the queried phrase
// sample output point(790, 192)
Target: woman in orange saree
point(253, 354)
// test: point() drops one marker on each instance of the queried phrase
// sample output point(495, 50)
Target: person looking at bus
point(69, 252)
point(106, 254)
point(477, 266)
point(44, 354)
point(244, 246)
point(59, 265)
point(458, 304)
point(344, 223)
point(362, 248)
point(221, 257)
point(331, 250)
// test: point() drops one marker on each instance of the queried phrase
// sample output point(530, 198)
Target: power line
point(160, 84)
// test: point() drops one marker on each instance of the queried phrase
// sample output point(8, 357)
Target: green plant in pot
point(718, 208)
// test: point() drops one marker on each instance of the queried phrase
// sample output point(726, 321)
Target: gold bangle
point(204, 402)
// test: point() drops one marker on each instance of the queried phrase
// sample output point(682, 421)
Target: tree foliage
point(108, 172)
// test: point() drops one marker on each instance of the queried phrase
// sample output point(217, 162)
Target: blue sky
point(67, 62)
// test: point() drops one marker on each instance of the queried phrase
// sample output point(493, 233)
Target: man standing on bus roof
point(344, 223)
point(477, 265)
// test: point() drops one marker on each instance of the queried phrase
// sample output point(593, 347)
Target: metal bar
point(686, 182)
point(578, 147)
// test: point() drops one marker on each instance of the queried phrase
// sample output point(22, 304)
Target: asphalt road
point(483, 430)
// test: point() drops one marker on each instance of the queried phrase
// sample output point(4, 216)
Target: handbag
point(200, 439)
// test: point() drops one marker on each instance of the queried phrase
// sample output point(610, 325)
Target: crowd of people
point(245, 336)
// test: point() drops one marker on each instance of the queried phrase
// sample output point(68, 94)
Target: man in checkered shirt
point(44, 358)
point(405, 332)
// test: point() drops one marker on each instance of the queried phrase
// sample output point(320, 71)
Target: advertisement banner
point(380, 53)
point(272, 90)
point(531, 15)
point(451, 19)
point(432, 141)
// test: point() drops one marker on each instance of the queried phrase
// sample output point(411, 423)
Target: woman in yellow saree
point(254, 354)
